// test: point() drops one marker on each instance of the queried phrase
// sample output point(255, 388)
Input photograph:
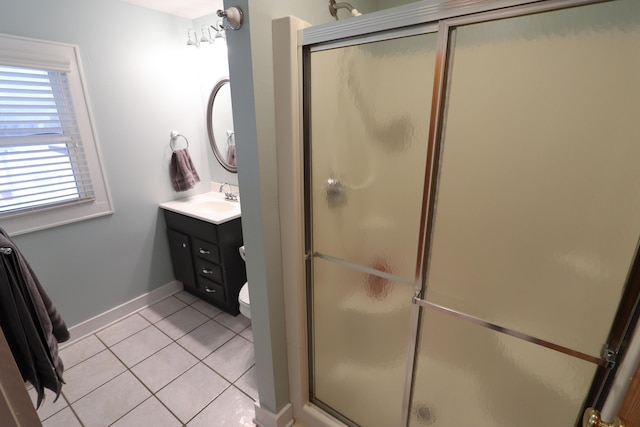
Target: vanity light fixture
point(220, 34)
point(192, 41)
point(206, 35)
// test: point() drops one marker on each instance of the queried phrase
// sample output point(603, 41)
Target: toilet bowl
point(243, 298)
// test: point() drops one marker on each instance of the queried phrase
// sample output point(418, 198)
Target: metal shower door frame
point(443, 17)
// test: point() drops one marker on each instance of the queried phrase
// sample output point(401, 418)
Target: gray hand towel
point(183, 175)
point(231, 155)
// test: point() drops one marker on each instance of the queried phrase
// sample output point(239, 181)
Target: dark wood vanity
point(206, 260)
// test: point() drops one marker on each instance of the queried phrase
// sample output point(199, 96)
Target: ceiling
point(189, 9)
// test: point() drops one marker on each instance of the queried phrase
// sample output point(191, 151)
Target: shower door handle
point(592, 419)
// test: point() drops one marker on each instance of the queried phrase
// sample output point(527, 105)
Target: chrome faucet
point(228, 195)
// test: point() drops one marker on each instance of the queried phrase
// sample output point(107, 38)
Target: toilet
point(243, 298)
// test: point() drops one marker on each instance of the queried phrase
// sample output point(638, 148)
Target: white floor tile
point(248, 333)
point(192, 391)
point(105, 405)
point(203, 340)
point(162, 309)
point(122, 329)
point(164, 366)
point(80, 351)
point(186, 297)
point(181, 322)
point(248, 383)
point(90, 374)
point(237, 324)
point(232, 359)
point(150, 413)
point(232, 409)
point(64, 418)
point(48, 406)
point(140, 346)
point(206, 308)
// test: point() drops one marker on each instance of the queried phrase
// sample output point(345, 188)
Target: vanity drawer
point(208, 270)
point(212, 290)
point(206, 250)
point(191, 226)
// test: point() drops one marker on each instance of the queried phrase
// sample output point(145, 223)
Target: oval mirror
point(220, 125)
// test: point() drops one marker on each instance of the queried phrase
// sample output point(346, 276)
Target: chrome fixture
point(228, 195)
point(174, 140)
point(192, 41)
point(206, 34)
point(231, 18)
point(333, 8)
point(335, 193)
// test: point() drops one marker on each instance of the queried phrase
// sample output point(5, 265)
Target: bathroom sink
point(211, 207)
point(214, 205)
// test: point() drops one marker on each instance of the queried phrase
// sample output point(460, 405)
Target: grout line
point(207, 405)
point(101, 384)
point(199, 360)
point(128, 336)
point(243, 392)
point(73, 411)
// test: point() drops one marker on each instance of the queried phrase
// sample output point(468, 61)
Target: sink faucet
point(228, 195)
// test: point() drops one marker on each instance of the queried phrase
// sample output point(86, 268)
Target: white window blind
point(42, 160)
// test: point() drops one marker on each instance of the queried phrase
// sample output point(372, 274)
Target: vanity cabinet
point(206, 260)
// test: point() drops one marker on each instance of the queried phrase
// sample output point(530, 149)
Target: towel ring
point(174, 136)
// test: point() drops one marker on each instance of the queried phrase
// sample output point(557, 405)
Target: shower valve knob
point(335, 193)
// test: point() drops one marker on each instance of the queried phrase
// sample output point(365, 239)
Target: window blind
point(42, 161)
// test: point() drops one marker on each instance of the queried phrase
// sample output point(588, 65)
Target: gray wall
point(143, 81)
point(251, 70)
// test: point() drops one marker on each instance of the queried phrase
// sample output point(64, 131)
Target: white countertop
point(210, 207)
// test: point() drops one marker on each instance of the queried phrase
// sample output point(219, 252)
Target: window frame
point(34, 53)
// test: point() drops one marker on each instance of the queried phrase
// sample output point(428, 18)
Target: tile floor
point(180, 362)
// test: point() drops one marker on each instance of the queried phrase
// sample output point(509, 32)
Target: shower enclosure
point(472, 202)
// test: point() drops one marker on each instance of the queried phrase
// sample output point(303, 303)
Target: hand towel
point(231, 155)
point(183, 175)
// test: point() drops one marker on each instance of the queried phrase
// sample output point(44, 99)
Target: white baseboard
point(265, 418)
point(102, 320)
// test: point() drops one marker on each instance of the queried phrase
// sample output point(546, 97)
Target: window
point(50, 172)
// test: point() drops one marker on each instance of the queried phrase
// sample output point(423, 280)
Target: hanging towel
point(231, 155)
point(183, 175)
point(32, 325)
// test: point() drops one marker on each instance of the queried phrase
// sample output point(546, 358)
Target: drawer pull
point(208, 289)
point(207, 271)
point(184, 245)
point(204, 251)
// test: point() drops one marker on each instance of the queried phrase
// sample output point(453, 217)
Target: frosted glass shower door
point(536, 219)
point(368, 121)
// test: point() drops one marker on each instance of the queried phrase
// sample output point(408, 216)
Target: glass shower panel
point(370, 108)
point(536, 220)
point(468, 375)
point(361, 330)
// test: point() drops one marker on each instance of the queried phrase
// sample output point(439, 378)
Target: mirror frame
point(212, 140)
